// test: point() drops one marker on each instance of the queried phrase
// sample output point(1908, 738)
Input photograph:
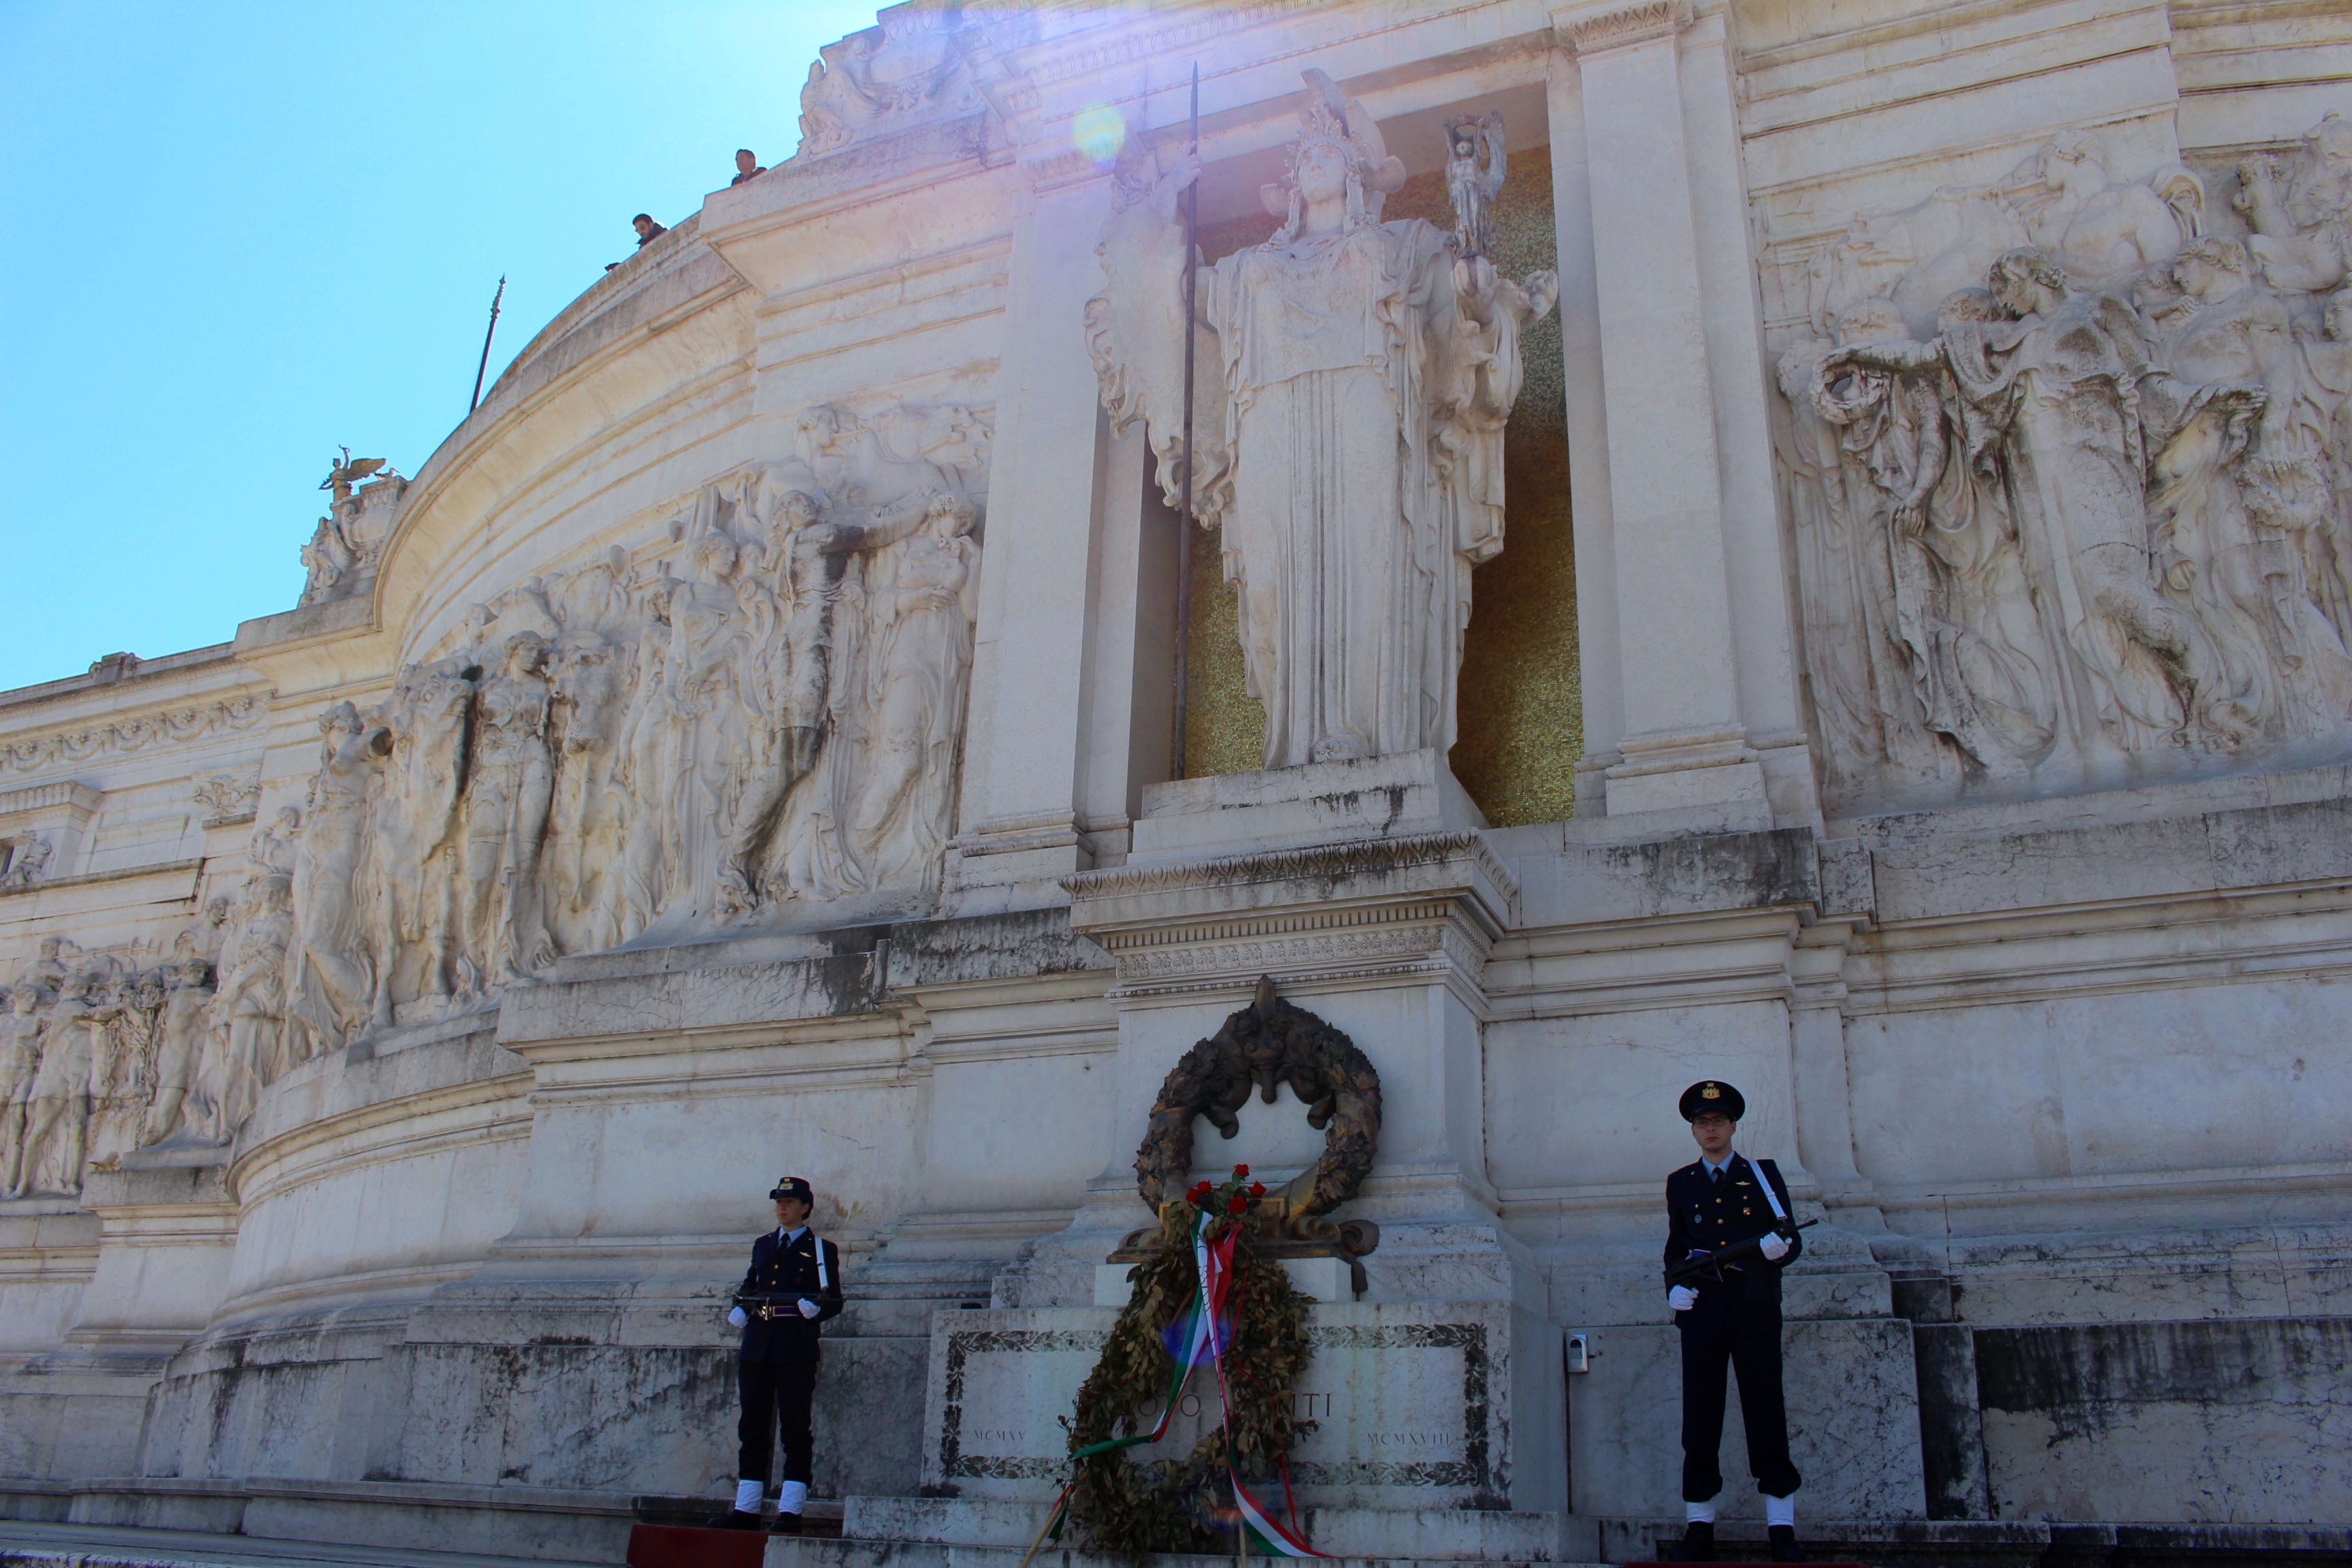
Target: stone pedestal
point(1436, 1404)
point(1364, 890)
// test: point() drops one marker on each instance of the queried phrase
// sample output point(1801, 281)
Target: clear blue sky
point(239, 235)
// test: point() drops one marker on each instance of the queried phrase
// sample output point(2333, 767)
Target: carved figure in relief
point(900, 824)
point(1937, 550)
point(2302, 220)
point(1349, 350)
point(28, 862)
point(412, 918)
point(333, 981)
point(587, 690)
point(509, 787)
point(2244, 504)
point(122, 1065)
point(2096, 225)
point(20, 1060)
point(56, 1104)
point(248, 1012)
point(2066, 380)
point(1475, 163)
point(179, 1040)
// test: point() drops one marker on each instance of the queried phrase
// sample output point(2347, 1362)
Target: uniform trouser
point(776, 1393)
point(1726, 1330)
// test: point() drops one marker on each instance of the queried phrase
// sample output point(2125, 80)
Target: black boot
point(1699, 1544)
point(1784, 1543)
point(734, 1518)
point(786, 1524)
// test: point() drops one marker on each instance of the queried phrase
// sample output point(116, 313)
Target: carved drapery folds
point(2072, 477)
point(1353, 380)
point(765, 711)
point(102, 1053)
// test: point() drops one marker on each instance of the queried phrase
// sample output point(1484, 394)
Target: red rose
point(1241, 1173)
point(1240, 1205)
point(1257, 1189)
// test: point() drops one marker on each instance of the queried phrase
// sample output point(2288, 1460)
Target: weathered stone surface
point(743, 747)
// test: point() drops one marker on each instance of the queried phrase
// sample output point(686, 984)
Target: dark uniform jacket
point(1706, 1216)
point(790, 1269)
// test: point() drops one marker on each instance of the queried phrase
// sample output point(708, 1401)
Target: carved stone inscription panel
point(1411, 1402)
point(2071, 477)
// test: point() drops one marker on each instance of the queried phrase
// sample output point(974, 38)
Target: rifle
point(1711, 1264)
point(767, 1308)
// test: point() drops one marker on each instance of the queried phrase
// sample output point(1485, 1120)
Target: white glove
point(809, 1308)
point(737, 1318)
point(1774, 1248)
point(1682, 1298)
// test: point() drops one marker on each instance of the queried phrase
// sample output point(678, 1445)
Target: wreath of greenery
point(1123, 1505)
point(1173, 1505)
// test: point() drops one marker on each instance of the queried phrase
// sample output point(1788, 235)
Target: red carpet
point(684, 1546)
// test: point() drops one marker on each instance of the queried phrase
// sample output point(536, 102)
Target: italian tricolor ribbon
point(1204, 1333)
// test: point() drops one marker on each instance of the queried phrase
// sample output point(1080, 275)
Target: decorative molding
point(135, 733)
point(1596, 31)
point(230, 798)
point(75, 798)
point(1322, 862)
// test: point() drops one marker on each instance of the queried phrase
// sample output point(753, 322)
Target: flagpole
point(1184, 512)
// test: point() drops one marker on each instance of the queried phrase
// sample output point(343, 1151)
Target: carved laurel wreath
point(1265, 1045)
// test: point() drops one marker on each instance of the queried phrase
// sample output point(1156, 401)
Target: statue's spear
point(1184, 509)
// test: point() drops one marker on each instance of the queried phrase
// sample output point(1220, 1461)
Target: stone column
point(1663, 349)
point(1022, 760)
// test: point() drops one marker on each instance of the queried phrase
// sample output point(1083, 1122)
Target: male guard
point(793, 1284)
point(1729, 1317)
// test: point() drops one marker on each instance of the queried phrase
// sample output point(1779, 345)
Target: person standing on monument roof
point(747, 167)
point(647, 230)
point(1729, 1318)
point(793, 1285)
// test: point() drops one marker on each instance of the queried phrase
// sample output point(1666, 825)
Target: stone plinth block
point(1229, 813)
point(1423, 1406)
point(1854, 1423)
point(1420, 905)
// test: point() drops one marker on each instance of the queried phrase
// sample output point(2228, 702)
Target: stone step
point(25, 1543)
point(787, 1552)
point(1430, 1534)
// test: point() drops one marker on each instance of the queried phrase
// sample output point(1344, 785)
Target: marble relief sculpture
point(762, 710)
point(2067, 473)
point(349, 540)
point(1354, 378)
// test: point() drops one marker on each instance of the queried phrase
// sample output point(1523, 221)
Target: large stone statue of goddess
point(1353, 378)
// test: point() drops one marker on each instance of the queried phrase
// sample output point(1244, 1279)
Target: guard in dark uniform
point(1731, 1319)
point(793, 1285)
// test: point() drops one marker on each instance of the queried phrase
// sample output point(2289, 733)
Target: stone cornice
point(1317, 863)
point(1618, 26)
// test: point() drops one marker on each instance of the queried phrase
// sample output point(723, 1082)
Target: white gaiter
point(747, 1497)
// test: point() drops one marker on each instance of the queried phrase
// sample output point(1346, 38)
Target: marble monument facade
point(744, 745)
